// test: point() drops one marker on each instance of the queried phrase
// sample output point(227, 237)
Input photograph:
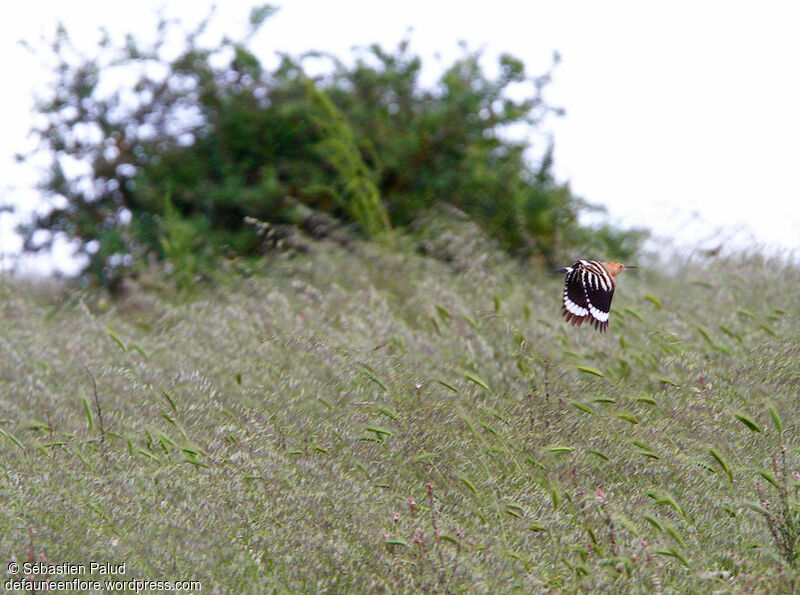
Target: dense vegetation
point(178, 156)
point(363, 418)
point(389, 401)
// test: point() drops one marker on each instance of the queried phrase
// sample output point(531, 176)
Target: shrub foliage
point(144, 140)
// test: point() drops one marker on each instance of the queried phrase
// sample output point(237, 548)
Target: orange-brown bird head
point(615, 268)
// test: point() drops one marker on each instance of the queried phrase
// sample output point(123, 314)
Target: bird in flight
point(588, 291)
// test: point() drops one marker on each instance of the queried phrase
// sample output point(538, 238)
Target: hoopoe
point(588, 291)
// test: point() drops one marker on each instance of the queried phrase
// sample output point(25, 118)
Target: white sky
point(683, 117)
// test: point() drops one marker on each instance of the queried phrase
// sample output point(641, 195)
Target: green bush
point(225, 140)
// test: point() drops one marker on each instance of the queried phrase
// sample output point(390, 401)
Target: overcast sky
point(681, 116)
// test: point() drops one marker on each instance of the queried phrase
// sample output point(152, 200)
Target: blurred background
point(566, 129)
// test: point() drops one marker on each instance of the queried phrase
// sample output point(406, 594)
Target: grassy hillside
point(371, 419)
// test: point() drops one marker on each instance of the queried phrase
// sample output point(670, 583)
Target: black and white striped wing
point(576, 305)
point(599, 287)
point(588, 291)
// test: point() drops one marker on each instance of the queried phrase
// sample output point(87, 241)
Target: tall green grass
point(374, 419)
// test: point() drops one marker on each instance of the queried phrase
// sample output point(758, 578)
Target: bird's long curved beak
point(631, 266)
